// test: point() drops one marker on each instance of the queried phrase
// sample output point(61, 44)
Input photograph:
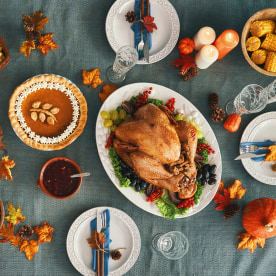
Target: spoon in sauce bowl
point(80, 175)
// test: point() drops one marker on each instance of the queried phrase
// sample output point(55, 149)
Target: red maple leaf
point(223, 200)
point(185, 61)
point(149, 24)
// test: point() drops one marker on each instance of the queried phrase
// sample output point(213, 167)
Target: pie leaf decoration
point(149, 24)
point(37, 19)
point(250, 242)
point(30, 248)
point(236, 190)
point(15, 216)
point(44, 233)
point(223, 200)
point(2, 145)
point(27, 47)
point(106, 91)
point(186, 62)
point(5, 166)
point(7, 234)
point(46, 43)
point(91, 78)
point(96, 239)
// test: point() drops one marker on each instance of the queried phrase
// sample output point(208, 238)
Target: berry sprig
point(203, 146)
point(143, 97)
point(187, 203)
point(109, 142)
point(155, 195)
point(171, 103)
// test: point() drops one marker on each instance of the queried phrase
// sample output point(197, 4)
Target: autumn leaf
point(27, 47)
point(2, 144)
point(5, 166)
point(271, 156)
point(106, 91)
point(37, 19)
point(91, 78)
point(236, 190)
point(250, 242)
point(223, 200)
point(44, 233)
point(221, 187)
point(15, 216)
point(96, 239)
point(8, 235)
point(46, 43)
point(30, 248)
point(149, 24)
point(185, 62)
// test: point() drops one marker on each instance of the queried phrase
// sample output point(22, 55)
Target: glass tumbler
point(126, 58)
point(251, 99)
point(173, 245)
point(270, 90)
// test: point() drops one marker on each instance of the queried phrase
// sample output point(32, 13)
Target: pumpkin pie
point(48, 112)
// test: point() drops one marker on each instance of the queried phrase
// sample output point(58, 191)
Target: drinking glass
point(251, 99)
point(270, 90)
point(126, 58)
point(173, 245)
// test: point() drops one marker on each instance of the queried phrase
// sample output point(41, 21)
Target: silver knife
point(146, 46)
point(99, 222)
point(249, 155)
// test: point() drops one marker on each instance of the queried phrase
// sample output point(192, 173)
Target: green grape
point(105, 115)
point(122, 114)
point(199, 134)
point(117, 122)
point(128, 116)
point(114, 115)
point(107, 123)
point(113, 128)
point(178, 117)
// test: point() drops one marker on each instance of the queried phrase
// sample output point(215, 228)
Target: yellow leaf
point(30, 248)
point(44, 232)
point(92, 78)
point(8, 235)
point(236, 190)
point(46, 43)
point(15, 216)
point(5, 166)
point(26, 47)
point(250, 242)
point(106, 91)
point(271, 156)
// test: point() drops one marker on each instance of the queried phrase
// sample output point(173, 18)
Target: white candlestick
point(207, 55)
point(205, 36)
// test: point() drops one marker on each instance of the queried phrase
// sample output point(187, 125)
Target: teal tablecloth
point(79, 31)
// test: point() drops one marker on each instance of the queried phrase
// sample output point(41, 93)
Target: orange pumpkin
point(186, 46)
point(232, 123)
point(259, 217)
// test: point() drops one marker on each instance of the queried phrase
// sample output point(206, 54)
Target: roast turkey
point(159, 149)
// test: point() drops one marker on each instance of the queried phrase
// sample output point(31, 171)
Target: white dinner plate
point(123, 233)
point(188, 109)
point(164, 39)
point(260, 129)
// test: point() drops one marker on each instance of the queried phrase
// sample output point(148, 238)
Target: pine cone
point(29, 27)
point(30, 36)
point(182, 72)
point(231, 211)
point(116, 254)
point(187, 76)
point(217, 115)
point(213, 100)
point(130, 16)
point(25, 232)
point(37, 34)
point(194, 71)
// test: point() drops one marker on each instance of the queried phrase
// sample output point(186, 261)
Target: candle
point(226, 42)
point(207, 55)
point(205, 36)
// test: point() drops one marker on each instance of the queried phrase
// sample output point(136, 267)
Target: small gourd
point(259, 218)
point(186, 46)
point(232, 122)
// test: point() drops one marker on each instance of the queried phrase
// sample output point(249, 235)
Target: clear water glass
point(173, 245)
point(270, 90)
point(251, 99)
point(126, 58)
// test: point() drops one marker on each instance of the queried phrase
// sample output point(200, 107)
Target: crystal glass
point(173, 245)
point(126, 58)
point(251, 99)
point(270, 90)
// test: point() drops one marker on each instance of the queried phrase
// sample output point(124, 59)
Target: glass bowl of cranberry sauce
point(55, 178)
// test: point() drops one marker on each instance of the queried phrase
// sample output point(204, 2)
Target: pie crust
point(48, 112)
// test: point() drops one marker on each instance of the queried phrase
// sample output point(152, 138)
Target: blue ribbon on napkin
point(266, 143)
point(93, 226)
point(136, 27)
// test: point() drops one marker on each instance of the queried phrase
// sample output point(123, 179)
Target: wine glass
point(252, 99)
point(270, 90)
point(173, 245)
point(126, 58)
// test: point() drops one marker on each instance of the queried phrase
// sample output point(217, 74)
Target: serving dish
point(189, 110)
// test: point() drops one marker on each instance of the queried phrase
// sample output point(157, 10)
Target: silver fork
point(103, 216)
point(140, 46)
point(250, 148)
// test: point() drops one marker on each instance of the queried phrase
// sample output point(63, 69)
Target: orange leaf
point(271, 156)
point(223, 200)
point(96, 239)
point(221, 186)
point(8, 235)
point(2, 145)
point(26, 47)
point(92, 78)
point(30, 248)
point(15, 216)
point(250, 242)
point(46, 43)
point(44, 232)
point(236, 190)
point(5, 166)
point(106, 91)
point(36, 19)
